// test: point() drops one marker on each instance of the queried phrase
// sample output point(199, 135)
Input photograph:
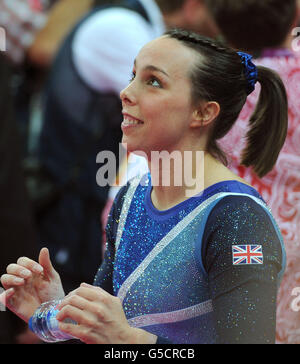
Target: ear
point(205, 114)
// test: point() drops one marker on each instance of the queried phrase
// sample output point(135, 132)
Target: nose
point(127, 96)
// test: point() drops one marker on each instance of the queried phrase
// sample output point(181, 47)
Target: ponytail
point(268, 124)
point(228, 77)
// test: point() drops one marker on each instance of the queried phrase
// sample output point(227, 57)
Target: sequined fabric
point(160, 268)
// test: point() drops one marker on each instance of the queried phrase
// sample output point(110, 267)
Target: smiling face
point(157, 104)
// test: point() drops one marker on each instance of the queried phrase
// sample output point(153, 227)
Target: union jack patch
point(247, 254)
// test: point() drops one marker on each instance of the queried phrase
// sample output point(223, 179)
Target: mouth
point(130, 120)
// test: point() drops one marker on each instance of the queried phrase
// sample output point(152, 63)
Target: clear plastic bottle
point(45, 325)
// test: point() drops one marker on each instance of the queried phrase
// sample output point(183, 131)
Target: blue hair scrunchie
point(250, 71)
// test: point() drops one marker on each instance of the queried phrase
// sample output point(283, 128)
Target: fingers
point(79, 298)
point(87, 303)
point(15, 276)
point(92, 293)
point(96, 289)
point(84, 334)
point(30, 265)
point(9, 280)
point(81, 304)
point(99, 316)
point(87, 315)
point(77, 315)
point(45, 262)
point(18, 273)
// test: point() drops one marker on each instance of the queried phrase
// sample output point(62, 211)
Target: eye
point(132, 77)
point(153, 81)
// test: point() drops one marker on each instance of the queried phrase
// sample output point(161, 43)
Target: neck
point(186, 176)
point(176, 177)
point(198, 173)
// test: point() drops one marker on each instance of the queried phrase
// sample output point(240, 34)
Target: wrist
point(140, 336)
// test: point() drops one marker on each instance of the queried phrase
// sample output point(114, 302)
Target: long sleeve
point(243, 292)
point(104, 276)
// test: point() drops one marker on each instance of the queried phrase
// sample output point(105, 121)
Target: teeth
point(128, 121)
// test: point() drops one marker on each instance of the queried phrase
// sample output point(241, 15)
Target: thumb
point(45, 262)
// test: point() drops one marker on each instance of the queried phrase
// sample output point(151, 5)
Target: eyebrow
point(153, 68)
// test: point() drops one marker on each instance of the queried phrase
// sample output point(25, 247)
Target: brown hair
point(220, 76)
point(253, 25)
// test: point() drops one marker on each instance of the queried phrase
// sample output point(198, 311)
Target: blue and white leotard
point(174, 270)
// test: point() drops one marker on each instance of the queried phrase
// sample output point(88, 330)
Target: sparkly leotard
point(174, 270)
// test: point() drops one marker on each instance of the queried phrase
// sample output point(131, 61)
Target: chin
point(140, 153)
point(135, 149)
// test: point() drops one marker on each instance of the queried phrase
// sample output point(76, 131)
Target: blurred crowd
point(62, 66)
